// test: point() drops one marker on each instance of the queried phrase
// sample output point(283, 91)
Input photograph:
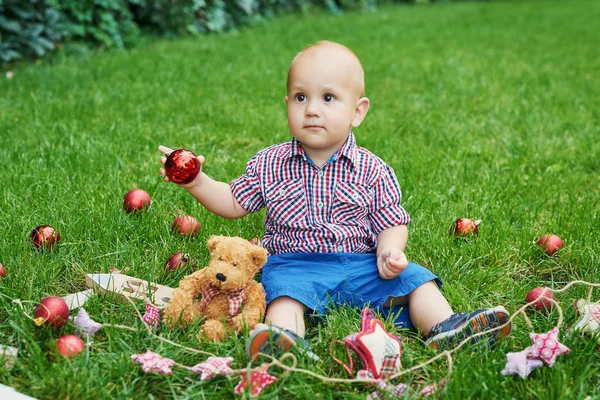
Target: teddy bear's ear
point(212, 243)
point(259, 256)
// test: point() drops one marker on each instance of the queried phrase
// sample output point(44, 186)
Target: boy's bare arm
point(215, 196)
point(391, 260)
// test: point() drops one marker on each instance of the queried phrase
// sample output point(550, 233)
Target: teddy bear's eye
point(235, 264)
point(220, 258)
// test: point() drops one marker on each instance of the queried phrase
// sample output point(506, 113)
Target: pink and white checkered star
point(153, 362)
point(213, 366)
point(152, 316)
point(547, 347)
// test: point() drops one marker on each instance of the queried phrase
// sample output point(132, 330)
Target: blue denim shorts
point(322, 280)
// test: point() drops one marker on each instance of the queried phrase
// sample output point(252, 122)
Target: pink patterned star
point(518, 363)
point(152, 316)
point(547, 347)
point(259, 380)
point(153, 362)
point(213, 366)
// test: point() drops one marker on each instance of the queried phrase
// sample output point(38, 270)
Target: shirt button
point(320, 173)
point(354, 196)
point(281, 192)
point(320, 205)
point(340, 248)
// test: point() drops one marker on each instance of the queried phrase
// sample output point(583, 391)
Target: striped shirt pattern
point(339, 207)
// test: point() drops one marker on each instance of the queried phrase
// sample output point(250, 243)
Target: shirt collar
point(348, 150)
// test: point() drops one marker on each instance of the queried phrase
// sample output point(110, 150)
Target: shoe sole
point(482, 322)
point(268, 340)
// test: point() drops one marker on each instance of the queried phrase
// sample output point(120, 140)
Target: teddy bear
point(230, 298)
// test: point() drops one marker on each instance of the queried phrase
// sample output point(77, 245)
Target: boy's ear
point(360, 111)
point(286, 100)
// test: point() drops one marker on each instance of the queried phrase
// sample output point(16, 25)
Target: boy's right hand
point(166, 151)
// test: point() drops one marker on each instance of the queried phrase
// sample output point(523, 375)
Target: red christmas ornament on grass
point(551, 243)
point(2, 271)
point(136, 200)
point(465, 226)
point(541, 294)
point(186, 225)
point(52, 311)
point(44, 237)
point(177, 261)
point(69, 345)
point(182, 166)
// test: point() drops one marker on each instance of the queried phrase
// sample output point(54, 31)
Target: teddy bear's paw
point(213, 330)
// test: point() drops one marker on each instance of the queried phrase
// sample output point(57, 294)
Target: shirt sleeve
point(246, 188)
point(386, 211)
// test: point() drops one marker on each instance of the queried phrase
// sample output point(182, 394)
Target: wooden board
point(78, 299)
point(131, 287)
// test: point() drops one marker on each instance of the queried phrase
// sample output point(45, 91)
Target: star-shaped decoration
point(153, 362)
point(152, 316)
point(259, 380)
point(547, 347)
point(380, 350)
point(213, 366)
point(84, 325)
point(518, 363)
point(589, 317)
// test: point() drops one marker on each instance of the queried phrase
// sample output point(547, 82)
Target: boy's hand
point(166, 151)
point(391, 262)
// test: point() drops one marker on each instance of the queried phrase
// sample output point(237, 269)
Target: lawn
point(487, 110)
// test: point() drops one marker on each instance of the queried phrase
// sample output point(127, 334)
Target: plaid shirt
point(339, 207)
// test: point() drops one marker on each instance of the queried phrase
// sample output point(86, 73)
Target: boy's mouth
point(313, 127)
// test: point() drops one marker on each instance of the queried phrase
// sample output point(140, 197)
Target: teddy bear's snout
point(221, 277)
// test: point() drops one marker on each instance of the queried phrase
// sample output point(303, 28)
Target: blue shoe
point(275, 341)
point(462, 325)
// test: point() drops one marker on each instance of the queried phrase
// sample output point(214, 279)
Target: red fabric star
point(547, 347)
point(153, 362)
point(259, 380)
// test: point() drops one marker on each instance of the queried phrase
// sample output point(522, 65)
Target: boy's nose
point(312, 110)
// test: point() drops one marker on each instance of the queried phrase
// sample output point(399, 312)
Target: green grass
point(484, 110)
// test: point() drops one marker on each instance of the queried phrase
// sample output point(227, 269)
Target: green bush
point(34, 27)
point(108, 23)
point(28, 28)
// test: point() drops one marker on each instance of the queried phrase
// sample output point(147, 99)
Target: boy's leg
point(428, 306)
point(287, 313)
point(431, 313)
point(284, 328)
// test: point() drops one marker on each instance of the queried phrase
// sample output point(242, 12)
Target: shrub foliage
point(33, 28)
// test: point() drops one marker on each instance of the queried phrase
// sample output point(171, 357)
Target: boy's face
point(324, 99)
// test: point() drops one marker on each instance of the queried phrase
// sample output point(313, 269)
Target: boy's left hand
point(391, 262)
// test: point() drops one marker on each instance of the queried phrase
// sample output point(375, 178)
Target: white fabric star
point(518, 363)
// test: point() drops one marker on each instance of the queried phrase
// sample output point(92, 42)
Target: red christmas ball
point(52, 311)
point(44, 237)
point(182, 166)
point(541, 295)
point(136, 200)
point(186, 225)
point(2, 270)
point(177, 261)
point(551, 243)
point(69, 345)
point(465, 226)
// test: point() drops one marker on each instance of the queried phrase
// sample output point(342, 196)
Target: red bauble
point(45, 237)
point(551, 243)
point(136, 200)
point(465, 226)
point(186, 225)
point(177, 261)
point(182, 166)
point(2, 270)
point(52, 311)
point(541, 294)
point(69, 345)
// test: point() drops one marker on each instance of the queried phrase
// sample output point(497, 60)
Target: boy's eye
point(300, 97)
point(328, 98)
